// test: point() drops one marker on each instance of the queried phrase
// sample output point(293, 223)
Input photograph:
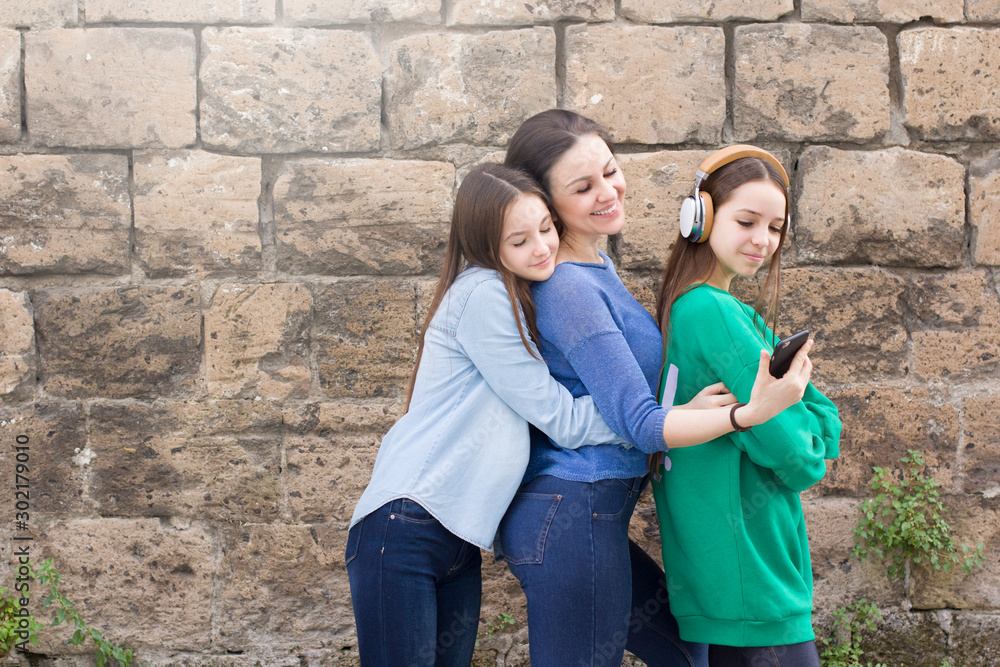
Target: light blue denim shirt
point(462, 448)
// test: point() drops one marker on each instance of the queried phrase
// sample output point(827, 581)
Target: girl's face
point(529, 242)
point(746, 231)
point(588, 190)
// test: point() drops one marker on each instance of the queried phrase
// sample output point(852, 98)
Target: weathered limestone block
point(141, 582)
point(984, 208)
point(127, 342)
point(257, 341)
point(37, 13)
point(906, 638)
point(957, 334)
point(259, 655)
point(973, 520)
point(838, 579)
point(891, 207)
point(57, 452)
point(114, 87)
point(196, 212)
point(181, 11)
point(64, 214)
point(811, 82)
point(643, 286)
point(950, 82)
point(973, 638)
point(350, 217)
point(648, 84)
point(275, 89)
point(656, 183)
point(882, 11)
point(217, 460)
point(17, 346)
point(856, 317)
point(365, 337)
point(310, 12)
point(10, 86)
point(653, 11)
point(880, 424)
point(452, 88)
point(330, 450)
point(477, 12)
point(982, 10)
point(981, 451)
point(282, 586)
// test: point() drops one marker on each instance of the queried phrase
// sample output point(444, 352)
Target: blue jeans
point(787, 655)
point(416, 589)
point(591, 591)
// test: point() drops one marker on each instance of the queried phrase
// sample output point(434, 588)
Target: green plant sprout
point(843, 649)
point(503, 620)
point(903, 522)
point(66, 613)
point(16, 623)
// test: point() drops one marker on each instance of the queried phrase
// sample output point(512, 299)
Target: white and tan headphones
point(697, 211)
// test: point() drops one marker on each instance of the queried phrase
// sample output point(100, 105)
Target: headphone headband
point(737, 152)
point(698, 211)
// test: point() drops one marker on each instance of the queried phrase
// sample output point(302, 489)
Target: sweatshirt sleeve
point(591, 341)
point(796, 442)
point(487, 332)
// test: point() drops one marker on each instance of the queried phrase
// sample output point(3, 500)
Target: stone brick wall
point(221, 222)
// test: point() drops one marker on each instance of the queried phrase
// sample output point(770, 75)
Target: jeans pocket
point(414, 512)
point(525, 527)
point(612, 497)
point(353, 542)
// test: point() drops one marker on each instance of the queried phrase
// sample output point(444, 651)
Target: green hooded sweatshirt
point(735, 549)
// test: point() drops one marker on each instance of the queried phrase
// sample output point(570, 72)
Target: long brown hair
point(691, 264)
point(481, 205)
point(544, 138)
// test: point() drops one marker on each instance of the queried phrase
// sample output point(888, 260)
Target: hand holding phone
point(784, 352)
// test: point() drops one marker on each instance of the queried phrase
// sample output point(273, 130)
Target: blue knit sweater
point(598, 340)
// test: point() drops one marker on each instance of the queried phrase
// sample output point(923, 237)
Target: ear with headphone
point(697, 212)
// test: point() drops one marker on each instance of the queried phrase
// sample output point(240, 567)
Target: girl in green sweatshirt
point(735, 549)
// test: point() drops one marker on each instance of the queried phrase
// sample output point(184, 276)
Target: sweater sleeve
point(796, 442)
point(579, 323)
point(487, 332)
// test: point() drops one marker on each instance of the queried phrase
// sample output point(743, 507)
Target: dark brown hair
point(486, 194)
point(691, 264)
point(544, 138)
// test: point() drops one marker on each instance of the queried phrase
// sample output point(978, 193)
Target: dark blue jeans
point(415, 587)
point(787, 655)
point(591, 591)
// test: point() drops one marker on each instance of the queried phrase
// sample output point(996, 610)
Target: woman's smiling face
point(588, 192)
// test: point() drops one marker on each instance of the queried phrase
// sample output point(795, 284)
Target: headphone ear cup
point(689, 212)
point(708, 216)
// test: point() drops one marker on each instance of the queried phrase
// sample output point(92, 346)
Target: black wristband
point(732, 418)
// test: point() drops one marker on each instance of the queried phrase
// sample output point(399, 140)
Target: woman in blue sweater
point(565, 535)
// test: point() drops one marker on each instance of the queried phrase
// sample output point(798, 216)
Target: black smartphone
point(784, 352)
